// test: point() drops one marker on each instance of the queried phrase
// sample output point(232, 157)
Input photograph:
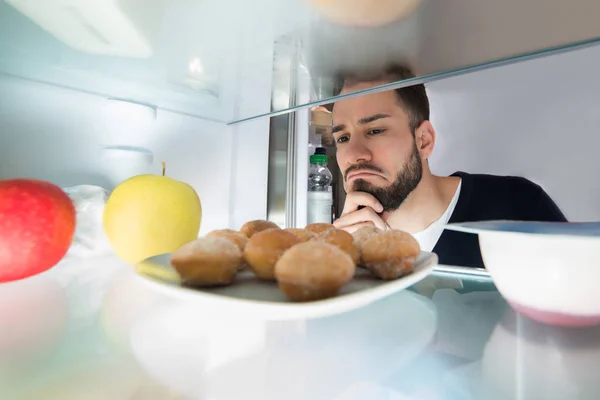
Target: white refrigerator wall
point(54, 134)
point(538, 119)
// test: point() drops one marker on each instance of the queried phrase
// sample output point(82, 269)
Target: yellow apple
point(147, 215)
point(365, 13)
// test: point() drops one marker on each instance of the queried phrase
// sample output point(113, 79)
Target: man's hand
point(360, 209)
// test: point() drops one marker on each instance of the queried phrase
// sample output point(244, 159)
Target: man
point(383, 144)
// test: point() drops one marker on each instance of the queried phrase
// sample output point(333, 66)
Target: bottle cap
point(321, 150)
point(318, 158)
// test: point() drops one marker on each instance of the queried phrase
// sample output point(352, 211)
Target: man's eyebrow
point(338, 128)
point(362, 121)
point(368, 120)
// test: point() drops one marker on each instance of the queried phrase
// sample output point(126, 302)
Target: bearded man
point(383, 142)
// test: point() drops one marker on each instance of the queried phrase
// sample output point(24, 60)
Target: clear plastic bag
point(90, 264)
point(89, 239)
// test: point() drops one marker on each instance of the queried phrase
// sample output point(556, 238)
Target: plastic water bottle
point(320, 195)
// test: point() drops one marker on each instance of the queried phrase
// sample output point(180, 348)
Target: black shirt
point(489, 197)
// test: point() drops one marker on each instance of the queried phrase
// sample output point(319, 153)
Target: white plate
point(249, 294)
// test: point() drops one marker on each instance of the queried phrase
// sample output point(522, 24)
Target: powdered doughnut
point(258, 225)
point(390, 254)
point(238, 238)
point(208, 261)
point(264, 249)
point(318, 227)
point(313, 270)
point(361, 235)
point(302, 234)
point(341, 239)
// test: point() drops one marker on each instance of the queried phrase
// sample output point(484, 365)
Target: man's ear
point(425, 139)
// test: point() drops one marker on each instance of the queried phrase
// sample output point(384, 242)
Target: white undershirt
point(428, 237)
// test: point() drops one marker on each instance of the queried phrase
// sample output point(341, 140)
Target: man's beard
point(391, 197)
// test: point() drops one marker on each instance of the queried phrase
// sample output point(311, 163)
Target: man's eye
point(342, 139)
point(376, 131)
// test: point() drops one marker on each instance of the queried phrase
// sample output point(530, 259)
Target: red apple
point(37, 224)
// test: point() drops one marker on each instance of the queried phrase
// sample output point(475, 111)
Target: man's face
point(376, 150)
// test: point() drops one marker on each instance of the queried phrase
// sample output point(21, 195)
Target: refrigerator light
point(108, 27)
point(195, 67)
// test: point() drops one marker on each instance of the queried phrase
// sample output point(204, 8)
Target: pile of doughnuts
point(308, 264)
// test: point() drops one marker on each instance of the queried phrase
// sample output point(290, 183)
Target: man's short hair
point(413, 99)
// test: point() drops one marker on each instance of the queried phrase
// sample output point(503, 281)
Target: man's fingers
point(366, 215)
point(355, 227)
point(356, 199)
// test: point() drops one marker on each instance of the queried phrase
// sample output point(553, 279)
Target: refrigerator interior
point(56, 134)
point(532, 118)
point(537, 119)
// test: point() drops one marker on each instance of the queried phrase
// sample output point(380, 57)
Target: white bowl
point(548, 272)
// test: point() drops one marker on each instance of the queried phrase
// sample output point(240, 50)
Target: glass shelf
point(320, 101)
point(223, 60)
point(92, 328)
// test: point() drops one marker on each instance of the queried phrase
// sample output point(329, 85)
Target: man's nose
point(358, 152)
